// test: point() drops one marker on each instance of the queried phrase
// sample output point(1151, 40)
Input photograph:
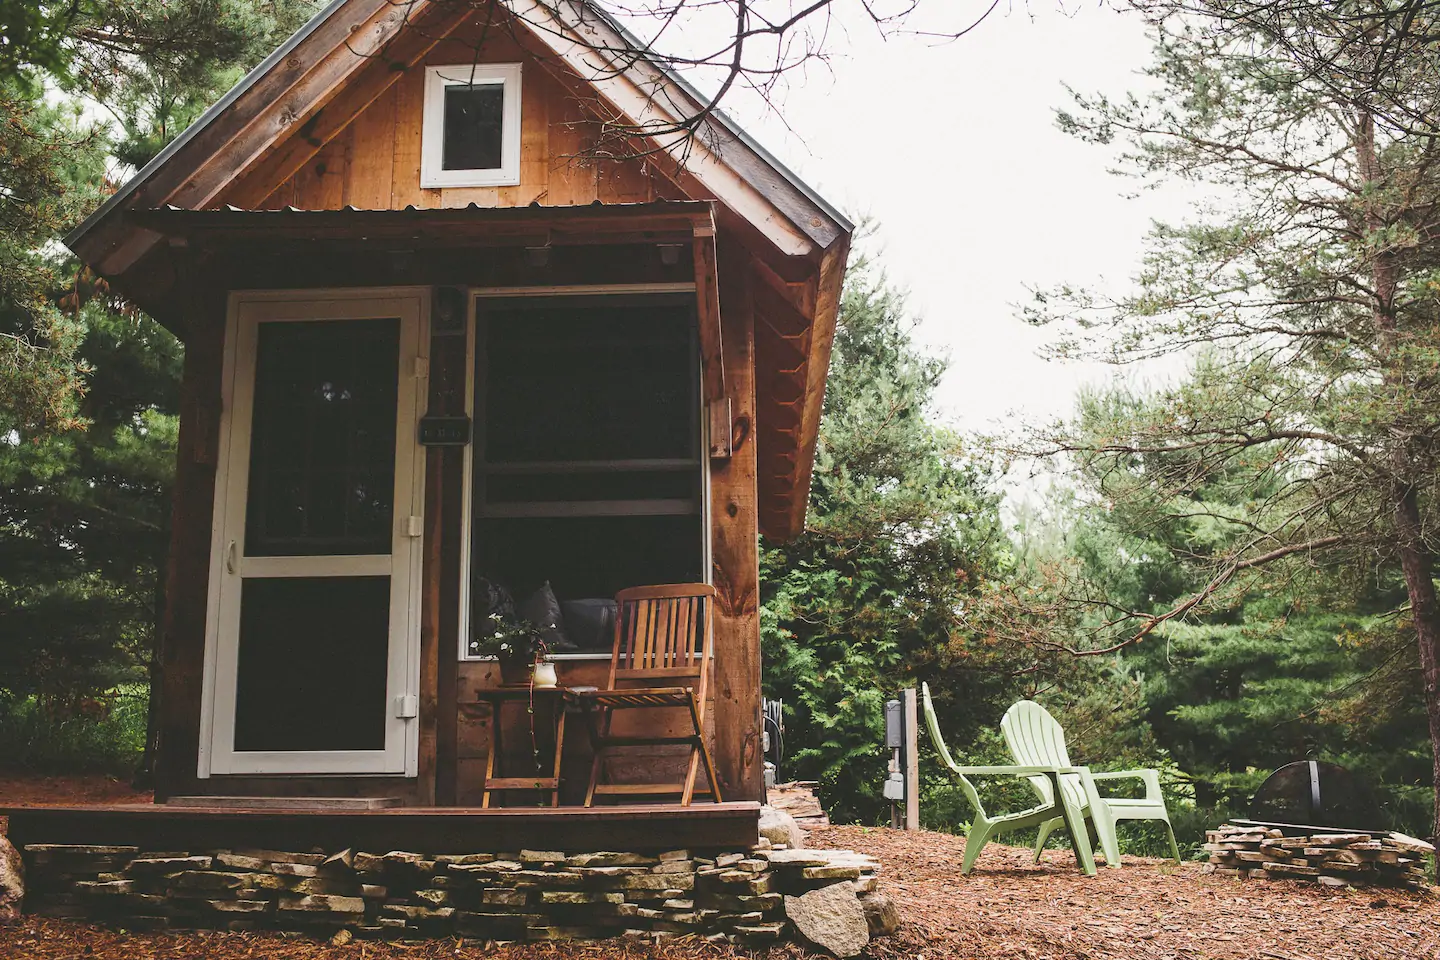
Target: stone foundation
point(1331, 859)
point(526, 895)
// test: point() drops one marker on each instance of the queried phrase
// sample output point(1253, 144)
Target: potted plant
point(518, 646)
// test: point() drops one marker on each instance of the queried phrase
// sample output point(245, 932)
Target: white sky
point(953, 150)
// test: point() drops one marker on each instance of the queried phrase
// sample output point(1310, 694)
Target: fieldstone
point(154, 866)
point(881, 916)
point(799, 858)
point(777, 826)
point(831, 918)
point(610, 859)
point(12, 880)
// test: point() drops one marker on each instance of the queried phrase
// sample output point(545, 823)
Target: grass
point(34, 739)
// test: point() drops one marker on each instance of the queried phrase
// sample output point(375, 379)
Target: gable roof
point(741, 174)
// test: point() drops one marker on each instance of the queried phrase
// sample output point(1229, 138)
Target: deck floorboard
point(639, 828)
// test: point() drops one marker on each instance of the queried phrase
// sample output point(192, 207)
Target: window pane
point(588, 382)
point(313, 664)
point(474, 119)
point(322, 448)
point(586, 557)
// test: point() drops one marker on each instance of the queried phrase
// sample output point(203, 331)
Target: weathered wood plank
point(373, 153)
point(707, 307)
point(735, 548)
point(405, 171)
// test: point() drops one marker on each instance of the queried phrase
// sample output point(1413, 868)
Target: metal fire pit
point(1311, 796)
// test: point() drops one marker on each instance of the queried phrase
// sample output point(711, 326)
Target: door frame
point(247, 309)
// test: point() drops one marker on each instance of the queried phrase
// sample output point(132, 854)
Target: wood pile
point(1330, 859)
point(527, 895)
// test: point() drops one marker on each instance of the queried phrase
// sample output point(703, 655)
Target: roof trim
point(731, 127)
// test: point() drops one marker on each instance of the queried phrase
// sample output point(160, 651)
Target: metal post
point(911, 759)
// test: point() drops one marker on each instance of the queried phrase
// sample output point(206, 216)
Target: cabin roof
point(676, 96)
point(798, 242)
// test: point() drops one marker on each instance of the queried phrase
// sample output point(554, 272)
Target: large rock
point(777, 826)
point(831, 918)
point(12, 880)
point(880, 914)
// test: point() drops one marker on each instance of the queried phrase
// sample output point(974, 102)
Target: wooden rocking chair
point(663, 635)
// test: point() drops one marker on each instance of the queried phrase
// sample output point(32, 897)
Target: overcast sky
point(953, 150)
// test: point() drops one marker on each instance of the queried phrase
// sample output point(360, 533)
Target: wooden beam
point(707, 306)
point(822, 341)
point(639, 828)
point(735, 557)
point(187, 575)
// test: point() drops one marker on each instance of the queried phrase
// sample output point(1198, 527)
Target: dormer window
point(471, 134)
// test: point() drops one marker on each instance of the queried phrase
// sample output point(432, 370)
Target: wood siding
point(373, 162)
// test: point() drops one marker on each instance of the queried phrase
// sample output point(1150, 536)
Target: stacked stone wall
point(525, 895)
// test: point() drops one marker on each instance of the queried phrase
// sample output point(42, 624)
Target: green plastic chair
point(984, 827)
point(1035, 737)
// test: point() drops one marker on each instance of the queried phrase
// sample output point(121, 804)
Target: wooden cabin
point(454, 319)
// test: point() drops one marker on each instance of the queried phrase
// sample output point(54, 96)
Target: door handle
point(230, 557)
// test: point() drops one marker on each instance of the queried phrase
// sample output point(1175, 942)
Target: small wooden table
point(497, 697)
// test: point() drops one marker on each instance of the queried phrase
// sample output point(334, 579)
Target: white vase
point(545, 674)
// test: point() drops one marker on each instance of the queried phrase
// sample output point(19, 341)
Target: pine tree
point(901, 526)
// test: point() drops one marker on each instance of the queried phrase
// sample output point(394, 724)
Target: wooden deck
point(638, 828)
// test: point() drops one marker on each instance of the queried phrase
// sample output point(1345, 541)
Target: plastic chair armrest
point(1151, 778)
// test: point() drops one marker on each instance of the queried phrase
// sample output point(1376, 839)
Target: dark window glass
point(474, 120)
point(566, 382)
point(314, 655)
point(586, 557)
point(322, 447)
point(587, 382)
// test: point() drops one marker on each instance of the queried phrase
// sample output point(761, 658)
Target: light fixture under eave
point(669, 253)
point(537, 256)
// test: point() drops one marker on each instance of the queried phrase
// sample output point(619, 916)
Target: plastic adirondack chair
point(985, 827)
point(1035, 737)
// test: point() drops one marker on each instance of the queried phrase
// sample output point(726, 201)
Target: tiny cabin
point(464, 317)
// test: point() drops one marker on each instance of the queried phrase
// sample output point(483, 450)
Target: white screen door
point(314, 613)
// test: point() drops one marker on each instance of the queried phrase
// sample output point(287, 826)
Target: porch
point(637, 828)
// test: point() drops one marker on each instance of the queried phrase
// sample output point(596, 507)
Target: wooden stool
point(525, 694)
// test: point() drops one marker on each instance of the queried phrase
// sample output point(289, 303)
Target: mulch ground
point(1006, 908)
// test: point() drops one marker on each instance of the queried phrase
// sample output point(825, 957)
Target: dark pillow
point(590, 624)
point(543, 610)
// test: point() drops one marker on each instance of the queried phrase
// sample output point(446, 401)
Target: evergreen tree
point(88, 408)
point(1314, 286)
point(901, 526)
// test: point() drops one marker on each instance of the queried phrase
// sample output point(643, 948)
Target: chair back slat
point(1036, 739)
point(663, 633)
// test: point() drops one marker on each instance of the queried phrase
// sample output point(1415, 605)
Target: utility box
point(894, 725)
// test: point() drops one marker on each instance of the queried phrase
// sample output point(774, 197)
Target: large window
point(587, 471)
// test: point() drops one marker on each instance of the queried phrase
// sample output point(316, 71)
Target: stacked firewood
point(1330, 859)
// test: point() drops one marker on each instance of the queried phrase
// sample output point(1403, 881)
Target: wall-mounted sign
point(444, 431)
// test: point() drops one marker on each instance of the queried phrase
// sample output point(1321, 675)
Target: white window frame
point(475, 295)
point(246, 310)
point(432, 138)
